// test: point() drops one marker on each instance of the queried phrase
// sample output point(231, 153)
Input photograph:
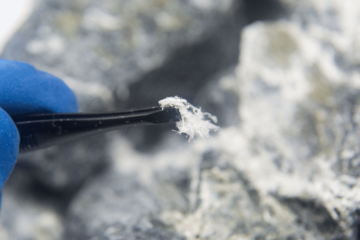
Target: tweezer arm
point(43, 130)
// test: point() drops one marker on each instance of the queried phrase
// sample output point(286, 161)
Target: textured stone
point(124, 202)
point(299, 106)
point(284, 166)
point(29, 212)
point(290, 169)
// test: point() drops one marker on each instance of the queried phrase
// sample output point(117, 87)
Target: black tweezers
point(44, 130)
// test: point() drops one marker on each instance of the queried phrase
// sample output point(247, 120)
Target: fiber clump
point(193, 122)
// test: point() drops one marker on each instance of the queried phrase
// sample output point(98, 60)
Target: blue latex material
point(23, 89)
point(26, 90)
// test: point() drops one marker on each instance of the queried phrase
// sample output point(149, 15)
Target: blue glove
point(23, 89)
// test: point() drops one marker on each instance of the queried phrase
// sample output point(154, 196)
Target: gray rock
point(121, 212)
point(196, 192)
point(124, 202)
point(65, 167)
point(220, 97)
point(284, 166)
point(299, 107)
point(29, 212)
point(288, 171)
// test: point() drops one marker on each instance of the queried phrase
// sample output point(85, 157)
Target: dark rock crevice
point(187, 72)
point(313, 216)
point(264, 10)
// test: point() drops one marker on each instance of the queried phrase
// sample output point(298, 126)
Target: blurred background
point(282, 76)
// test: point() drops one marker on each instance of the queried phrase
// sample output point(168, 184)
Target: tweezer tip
point(166, 115)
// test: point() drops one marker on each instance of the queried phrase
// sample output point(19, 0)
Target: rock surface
point(290, 170)
point(285, 164)
point(299, 80)
point(101, 50)
point(30, 212)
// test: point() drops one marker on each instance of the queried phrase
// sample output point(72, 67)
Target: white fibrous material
point(193, 122)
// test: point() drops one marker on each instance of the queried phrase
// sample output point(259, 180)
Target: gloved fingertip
point(59, 96)
point(25, 89)
point(9, 146)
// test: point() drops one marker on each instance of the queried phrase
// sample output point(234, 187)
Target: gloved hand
point(23, 89)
